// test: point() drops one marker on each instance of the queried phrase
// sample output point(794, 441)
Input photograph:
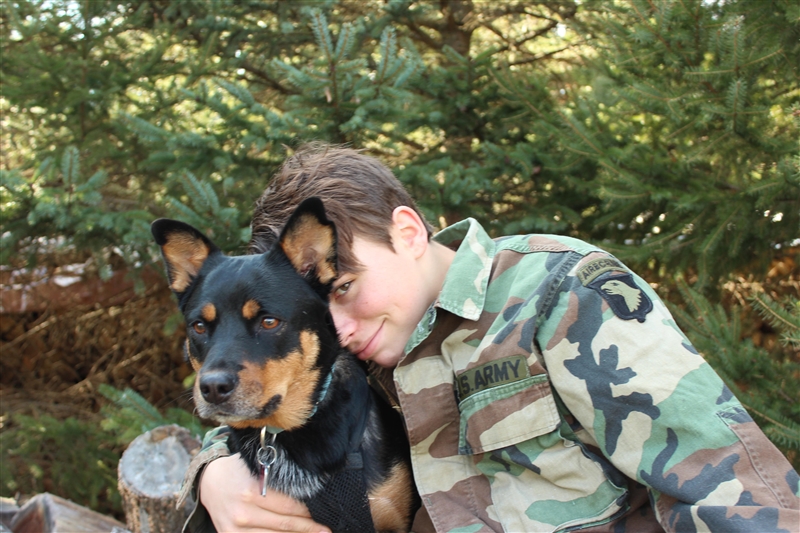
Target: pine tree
point(666, 132)
point(689, 121)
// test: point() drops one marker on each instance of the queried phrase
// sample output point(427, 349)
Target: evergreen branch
point(388, 48)
point(266, 78)
point(580, 131)
point(211, 197)
point(195, 190)
point(736, 96)
point(536, 58)
point(345, 42)
point(644, 21)
point(421, 35)
point(70, 165)
point(707, 147)
point(776, 316)
point(237, 90)
point(710, 242)
point(709, 73)
point(668, 236)
point(144, 129)
point(622, 196)
point(516, 44)
point(763, 58)
point(682, 128)
point(319, 24)
point(189, 214)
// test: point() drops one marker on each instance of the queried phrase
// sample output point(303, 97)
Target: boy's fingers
point(263, 520)
point(287, 514)
point(232, 497)
point(281, 504)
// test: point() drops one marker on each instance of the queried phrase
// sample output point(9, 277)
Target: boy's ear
point(410, 228)
point(184, 250)
point(309, 241)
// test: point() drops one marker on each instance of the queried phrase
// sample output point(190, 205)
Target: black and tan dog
point(269, 365)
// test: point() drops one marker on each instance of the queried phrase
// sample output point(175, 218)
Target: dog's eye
point(199, 327)
point(269, 322)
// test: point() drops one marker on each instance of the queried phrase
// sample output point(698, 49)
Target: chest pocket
point(505, 414)
point(539, 479)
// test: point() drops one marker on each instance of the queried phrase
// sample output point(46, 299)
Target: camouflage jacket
point(549, 389)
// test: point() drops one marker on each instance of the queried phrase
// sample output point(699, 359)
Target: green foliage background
point(667, 132)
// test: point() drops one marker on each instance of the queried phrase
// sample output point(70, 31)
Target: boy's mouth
point(366, 350)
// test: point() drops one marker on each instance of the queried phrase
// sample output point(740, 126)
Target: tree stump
point(150, 475)
point(46, 512)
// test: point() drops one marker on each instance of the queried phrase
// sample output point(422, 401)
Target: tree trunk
point(150, 474)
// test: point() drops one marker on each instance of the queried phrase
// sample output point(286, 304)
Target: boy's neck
point(439, 257)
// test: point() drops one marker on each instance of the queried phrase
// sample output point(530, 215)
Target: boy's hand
point(233, 500)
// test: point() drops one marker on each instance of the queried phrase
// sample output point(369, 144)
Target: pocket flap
point(507, 414)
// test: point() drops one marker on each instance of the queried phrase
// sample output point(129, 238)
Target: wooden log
point(150, 474)
point(48, 513)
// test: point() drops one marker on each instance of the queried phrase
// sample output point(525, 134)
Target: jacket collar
point(464, 289)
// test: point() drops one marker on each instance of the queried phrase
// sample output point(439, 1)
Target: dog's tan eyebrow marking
point(250, 309)
point(209, 312)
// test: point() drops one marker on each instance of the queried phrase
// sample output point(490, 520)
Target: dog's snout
point(216, 387)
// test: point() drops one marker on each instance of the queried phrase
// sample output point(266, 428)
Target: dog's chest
point(285, 475)
point(290, 478)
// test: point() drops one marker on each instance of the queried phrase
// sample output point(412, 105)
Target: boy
point(544, 386)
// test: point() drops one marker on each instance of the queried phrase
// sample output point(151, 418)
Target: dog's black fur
point(263, 343)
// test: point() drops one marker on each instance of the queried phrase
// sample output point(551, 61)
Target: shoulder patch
point(589, 271)
point(492, 374)
point(623, 296)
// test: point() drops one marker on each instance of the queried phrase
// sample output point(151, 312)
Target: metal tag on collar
point(266, 456)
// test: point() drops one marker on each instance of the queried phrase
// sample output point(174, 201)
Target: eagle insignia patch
point(623, 296)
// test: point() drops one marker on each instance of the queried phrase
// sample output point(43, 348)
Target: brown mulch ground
point(52, 362)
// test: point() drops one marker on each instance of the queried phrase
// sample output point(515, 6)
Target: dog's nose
point(216, 387)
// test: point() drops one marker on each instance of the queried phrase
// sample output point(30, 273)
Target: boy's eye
point(199, 327)
point(269, 322)
point(342, 289)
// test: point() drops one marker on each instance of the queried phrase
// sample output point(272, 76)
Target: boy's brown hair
point(359, 193)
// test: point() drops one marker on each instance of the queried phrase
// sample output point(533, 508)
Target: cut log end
point(150, 474)
point(46, 512)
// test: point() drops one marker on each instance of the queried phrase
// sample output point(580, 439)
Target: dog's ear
point(184, 249)
point(309, 241)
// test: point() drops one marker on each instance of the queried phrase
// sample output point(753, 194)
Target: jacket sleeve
point(657, 411)
point(215, 445)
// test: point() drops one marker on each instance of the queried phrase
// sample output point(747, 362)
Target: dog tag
point(266, 456)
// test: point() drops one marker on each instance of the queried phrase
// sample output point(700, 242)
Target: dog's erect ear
point(184, 250)
point(309, 241)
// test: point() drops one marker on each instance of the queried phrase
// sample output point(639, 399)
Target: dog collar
point(322, 393)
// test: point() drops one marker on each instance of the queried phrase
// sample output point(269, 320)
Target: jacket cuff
point(215, 445)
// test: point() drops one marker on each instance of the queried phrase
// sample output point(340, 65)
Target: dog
point(261, 339)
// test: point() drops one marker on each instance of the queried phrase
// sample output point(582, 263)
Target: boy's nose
point(345, 326)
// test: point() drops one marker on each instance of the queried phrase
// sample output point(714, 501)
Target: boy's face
point(376, 310)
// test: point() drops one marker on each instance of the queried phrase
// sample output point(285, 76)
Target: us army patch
point(492, 374)
point(595, 267)
point(623, 296)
